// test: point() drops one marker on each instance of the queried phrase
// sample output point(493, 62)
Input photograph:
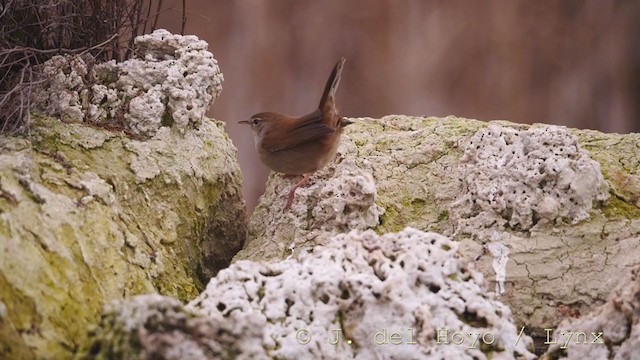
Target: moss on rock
point(416, 171)
point(88, 215)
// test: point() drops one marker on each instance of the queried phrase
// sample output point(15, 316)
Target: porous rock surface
point(340, 198)
point(361, 296)
point(89, 214)
point(555, 247)
point(159, 327)
point(513, 178)
point(611, 331)
point(172, 81)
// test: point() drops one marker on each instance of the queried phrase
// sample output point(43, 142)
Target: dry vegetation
point(33, 31)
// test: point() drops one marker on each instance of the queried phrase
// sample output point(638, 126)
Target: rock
point(173, 82)
point(159, 327)
point(513, 178)
point(559, 245)
point(364, 296)
point(611, 331)
point(88, 215)
point(341, 198)
point(11, 345)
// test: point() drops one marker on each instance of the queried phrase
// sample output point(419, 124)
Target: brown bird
point(301, 145)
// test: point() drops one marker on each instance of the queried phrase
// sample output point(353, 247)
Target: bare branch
point(184, 16)
point(34, 31)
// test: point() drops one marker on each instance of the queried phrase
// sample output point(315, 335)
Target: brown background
point(574, 63)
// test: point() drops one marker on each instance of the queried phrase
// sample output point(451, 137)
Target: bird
point(297, 146)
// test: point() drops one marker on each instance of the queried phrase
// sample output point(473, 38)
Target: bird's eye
point(255, 121)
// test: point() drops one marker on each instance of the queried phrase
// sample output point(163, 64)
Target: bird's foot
point(290, 197)
point(292, 192)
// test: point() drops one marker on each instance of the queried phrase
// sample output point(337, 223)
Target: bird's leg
point(292, 192)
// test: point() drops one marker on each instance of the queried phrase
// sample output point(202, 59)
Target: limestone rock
point(173, 82)
point(89, 215)
point(159, 327)
point(361, 296)
point(555, 251)
point(513, 178)
point(611, 331)
point(341, 198)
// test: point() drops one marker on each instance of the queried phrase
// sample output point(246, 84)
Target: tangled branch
point(33, 31)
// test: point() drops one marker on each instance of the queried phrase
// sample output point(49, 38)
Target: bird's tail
point(332, 84)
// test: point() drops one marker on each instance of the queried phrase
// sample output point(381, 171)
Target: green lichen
point(72, 253)
point(416, 212)
point(390, 222)
point(21, 313)
point(12, 346)
point(616, 208)
point(443, 216)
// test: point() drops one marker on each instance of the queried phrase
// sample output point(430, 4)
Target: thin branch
point(100, 45)
point(184, 16)
point(32, 32)
point(148, 16)
point(157, 15)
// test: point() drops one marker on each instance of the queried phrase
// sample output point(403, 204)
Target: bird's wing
point(307, 128)
point(319, 123)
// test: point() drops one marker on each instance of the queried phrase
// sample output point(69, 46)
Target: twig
point(32, 32)
point(184, 16)
point(155, 18)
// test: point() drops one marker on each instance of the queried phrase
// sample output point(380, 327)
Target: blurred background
point(573, 63)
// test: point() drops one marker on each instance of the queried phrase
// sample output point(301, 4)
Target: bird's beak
point(243, 122)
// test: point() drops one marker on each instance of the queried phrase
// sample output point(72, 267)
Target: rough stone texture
point(172, 83)
point(612, 331)
point(88, 215)
point(157, 327)
point(12, 346)
point(515, 179)
point(558, 263)
point(341, 198)
point(401, 295)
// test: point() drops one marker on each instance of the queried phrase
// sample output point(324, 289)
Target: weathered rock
point(158, 327)
point(555, 250)
point(341, 198)
point(172, 82)
point(362, 296)
point(88, 215)
point(515, 179)
point(611, 331)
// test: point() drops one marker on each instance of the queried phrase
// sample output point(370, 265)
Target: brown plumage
point(301, 145)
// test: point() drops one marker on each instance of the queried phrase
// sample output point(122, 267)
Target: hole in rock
point(324, 298)
point(472, 319)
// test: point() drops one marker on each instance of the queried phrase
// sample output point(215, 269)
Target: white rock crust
point(516, 179)
point(161, 328)
point(173, 84)
point(61, 96)
point(364, 287)
point(338, 198)
point(343, 202)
